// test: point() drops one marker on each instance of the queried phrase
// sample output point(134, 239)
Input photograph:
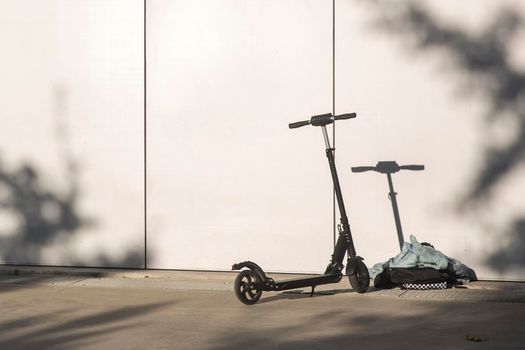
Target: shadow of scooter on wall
point(389, 168)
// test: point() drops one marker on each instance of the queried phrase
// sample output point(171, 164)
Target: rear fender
point(252, 266)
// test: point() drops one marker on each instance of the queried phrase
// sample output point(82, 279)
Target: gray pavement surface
point(71, 308)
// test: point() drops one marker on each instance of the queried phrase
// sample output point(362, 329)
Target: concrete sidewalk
point(207, 280)
point(62, 308)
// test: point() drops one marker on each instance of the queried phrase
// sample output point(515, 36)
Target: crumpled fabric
point(414, 254)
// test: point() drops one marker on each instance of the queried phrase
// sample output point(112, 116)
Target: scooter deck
point(303, 282)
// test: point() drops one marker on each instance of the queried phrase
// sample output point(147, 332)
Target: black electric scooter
point(390, 168)
point(252, 281)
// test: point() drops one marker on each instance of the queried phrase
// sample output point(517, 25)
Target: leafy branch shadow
point(37, 215)
point(485, 57)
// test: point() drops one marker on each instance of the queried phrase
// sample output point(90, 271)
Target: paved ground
point(104, 309)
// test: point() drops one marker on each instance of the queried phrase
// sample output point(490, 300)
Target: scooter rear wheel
point(361, 279)
point(244, 287)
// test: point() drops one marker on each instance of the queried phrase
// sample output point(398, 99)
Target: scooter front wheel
point(360, 280)
point(244, 287)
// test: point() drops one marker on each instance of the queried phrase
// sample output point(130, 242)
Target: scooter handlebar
point(360, 169)
point(345, 116)
point(298, 124)
point(412, 167)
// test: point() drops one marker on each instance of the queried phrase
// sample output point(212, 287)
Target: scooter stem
point(344, 241)
point(325, 136)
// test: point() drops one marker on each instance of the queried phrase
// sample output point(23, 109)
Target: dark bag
point(397, 276)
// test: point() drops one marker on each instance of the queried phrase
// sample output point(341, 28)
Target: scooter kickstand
point(312, 292)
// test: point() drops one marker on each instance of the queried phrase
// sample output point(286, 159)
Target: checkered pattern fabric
point(424, 286)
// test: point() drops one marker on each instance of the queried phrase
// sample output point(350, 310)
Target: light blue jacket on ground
point(415, 254)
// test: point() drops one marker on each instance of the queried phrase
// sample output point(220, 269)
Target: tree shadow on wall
point(485, 58)
point(513, 254)
point(40, 217)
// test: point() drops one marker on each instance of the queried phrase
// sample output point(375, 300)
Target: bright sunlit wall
point(226, 179)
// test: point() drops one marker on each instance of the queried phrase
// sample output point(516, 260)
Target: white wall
point(434, 83)
point(71, 105)
point(426, 84)
point(227, 180)
point(239, 71)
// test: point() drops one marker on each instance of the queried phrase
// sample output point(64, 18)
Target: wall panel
point(227, 180)
point(439, 84)
point(71, 145)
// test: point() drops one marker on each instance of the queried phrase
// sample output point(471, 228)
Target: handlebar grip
point(322, 119)
point(298, 124)
point(345, 116)
point(360, 169)
point(412, 167)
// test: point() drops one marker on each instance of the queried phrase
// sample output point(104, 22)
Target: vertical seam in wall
point(145, 152)
point(333, 112)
